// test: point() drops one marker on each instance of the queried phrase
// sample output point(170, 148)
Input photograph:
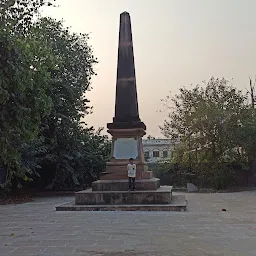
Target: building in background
point(157, 149)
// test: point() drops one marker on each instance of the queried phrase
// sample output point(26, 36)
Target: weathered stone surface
point(178, 204)
point(163, 195)
point(126, 106)
point(123, 185)
point(120, 173)
point(126, 129)
point(121, 166)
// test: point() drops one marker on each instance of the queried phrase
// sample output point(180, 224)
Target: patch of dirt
point(16, 200)
point(55, 193)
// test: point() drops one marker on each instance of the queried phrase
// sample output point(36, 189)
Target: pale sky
point(176, 43)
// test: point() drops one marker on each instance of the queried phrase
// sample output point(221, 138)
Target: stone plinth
point(126, 144)
point(178, 204)
point(162, 195)
point(116, 174)
point(123, 185)
point(121, 165)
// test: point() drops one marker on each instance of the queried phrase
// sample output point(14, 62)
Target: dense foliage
point(214, 125)
point(45, 71)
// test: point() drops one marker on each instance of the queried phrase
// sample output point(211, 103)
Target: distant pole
point(252, 93)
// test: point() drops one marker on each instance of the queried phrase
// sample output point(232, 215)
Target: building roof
point(157, 142)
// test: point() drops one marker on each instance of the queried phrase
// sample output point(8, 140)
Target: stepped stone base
point(162, 195)
point(112, 195)
point(178, 204)
point(123, 185)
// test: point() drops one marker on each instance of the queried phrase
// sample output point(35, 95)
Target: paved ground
point(204, 230)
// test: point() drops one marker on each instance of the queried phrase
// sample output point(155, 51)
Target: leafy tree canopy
point(45, 72)
point(24, 79)
point(208, 117)
point(215, 127)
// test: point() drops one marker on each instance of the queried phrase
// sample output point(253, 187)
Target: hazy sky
point(176, 43)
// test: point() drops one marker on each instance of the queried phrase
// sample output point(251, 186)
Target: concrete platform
point(162, 195)
point(178, 204)
point(123, 185)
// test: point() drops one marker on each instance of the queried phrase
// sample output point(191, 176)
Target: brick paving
point(35, 228)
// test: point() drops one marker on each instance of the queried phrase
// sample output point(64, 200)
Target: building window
point(165, 154)
point(155, 153)
point(146, 154)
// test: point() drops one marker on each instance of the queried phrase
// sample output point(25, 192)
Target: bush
point(205, 175)
point(169, 174)
point(214, 175)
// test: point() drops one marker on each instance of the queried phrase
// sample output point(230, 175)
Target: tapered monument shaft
point(126, 105)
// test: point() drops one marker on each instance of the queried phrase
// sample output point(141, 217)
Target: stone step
point(117, 174)
point(123, 185)
point(162, 195)
point(178, 204)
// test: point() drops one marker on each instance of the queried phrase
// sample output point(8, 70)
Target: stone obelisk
point(111, 191)
point(126, 107)
point(126, 129)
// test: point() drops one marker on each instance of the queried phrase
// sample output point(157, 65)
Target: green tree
point(149, 137)
point(71, 145)
point(215, 124)
point(45, 73)
point(24, 78)
point(208, 117)
point(246, 135)
point(17, 16)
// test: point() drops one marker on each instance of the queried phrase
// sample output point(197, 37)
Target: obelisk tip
point(125, 13)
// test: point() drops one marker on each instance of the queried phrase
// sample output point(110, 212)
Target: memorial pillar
point(126, 129)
